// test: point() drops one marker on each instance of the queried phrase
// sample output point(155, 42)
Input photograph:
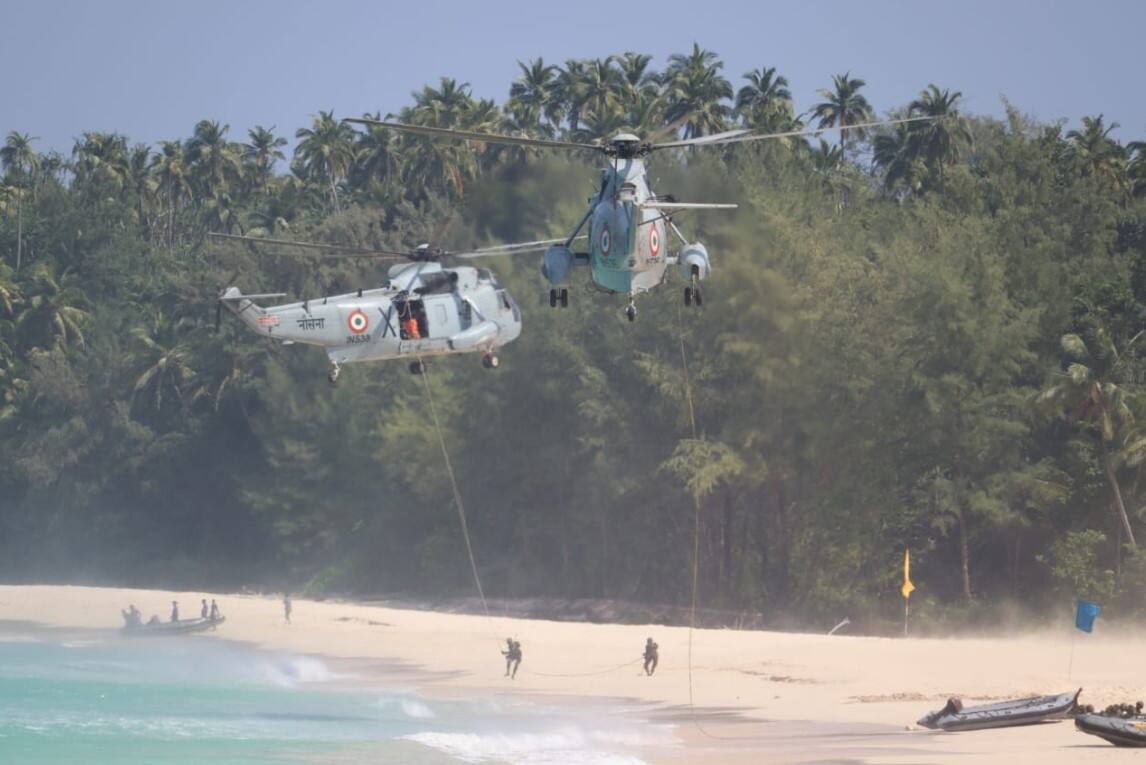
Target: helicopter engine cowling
point(558, 260)
point(694, 259)
point(477, 336)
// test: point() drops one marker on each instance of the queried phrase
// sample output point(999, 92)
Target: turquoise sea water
point(106, 699)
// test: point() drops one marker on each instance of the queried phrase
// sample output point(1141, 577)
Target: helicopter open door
point(437, 319)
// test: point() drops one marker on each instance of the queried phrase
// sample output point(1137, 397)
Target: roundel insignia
point(605, 241)
point(654, 241)
point(357, 322)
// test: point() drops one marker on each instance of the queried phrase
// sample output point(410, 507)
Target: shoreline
point(763, 697)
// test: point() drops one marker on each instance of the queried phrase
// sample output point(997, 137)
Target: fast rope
point(588, 674)
point(695, 540)
point(457, 493)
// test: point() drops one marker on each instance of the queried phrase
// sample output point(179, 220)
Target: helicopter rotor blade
point(520, 248)
point(742, 136)
point(670, 128)
point(327, 250)
point(470, 135)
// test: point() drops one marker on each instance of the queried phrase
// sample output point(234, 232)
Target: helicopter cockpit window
point(504, 298)
point(484, 275)
point(628, 192)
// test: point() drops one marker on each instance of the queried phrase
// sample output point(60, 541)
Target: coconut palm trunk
point(19, 228)
point(1112, 478)
point(964, 555)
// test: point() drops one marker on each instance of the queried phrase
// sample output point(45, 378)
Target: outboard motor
point(558, 260)
point(694, 262)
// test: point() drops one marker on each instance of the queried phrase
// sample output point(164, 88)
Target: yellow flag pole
point(907, 589)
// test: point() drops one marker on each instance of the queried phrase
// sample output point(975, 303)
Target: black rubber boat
point(1037, 709)
point(1119, 731)
point(182, 627)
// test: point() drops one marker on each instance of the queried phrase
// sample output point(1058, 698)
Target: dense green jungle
point(921, 336)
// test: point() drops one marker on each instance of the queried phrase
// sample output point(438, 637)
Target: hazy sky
point(152, 69)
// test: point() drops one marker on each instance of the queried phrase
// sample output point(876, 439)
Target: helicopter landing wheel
point(696, 296)
point(417, 367)
point(490, 361)
point(688, 296)
point(552, 298)
point(334, 372)
point(631, 312)
point(564, 298)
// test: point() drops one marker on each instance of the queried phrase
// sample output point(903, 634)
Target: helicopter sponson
point(425, 310)
point(693, 261)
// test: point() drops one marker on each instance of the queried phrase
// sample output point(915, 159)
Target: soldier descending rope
point(512, 656)
point(651, 656)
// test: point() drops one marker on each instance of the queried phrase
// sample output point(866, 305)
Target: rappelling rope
point(695, 539)
point(593, 673)
point(457, 494)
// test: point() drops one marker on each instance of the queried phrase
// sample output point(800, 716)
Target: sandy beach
point(761, 697)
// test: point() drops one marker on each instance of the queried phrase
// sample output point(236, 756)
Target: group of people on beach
point(133, 617)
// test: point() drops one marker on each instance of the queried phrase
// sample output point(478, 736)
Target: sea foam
point(569, 745)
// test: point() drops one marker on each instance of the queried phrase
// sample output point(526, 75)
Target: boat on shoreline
point(1004, 714)
point(181, 627)
point(1120, 731)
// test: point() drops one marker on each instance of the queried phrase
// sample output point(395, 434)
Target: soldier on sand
point(651, 656)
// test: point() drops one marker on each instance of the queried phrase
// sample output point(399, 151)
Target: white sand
point(860, 693)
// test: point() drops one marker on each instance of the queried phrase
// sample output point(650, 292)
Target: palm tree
point(50, 315)
point(1136, 169)
point(101, 164)
point(536, 90)
point(375, 155)
point(1095, 153)
point(261, 154)
point(174, 181)
point(142, 184)
point(765, 103)
point(21, 162)
point(896, 151)
point(843, 106)
point(600, 87)
point(446, 163)
point(326, 152)
point(638, 81)
point(570, 91)
point(940, 139)
point(166, 354)
point(9, 299)
point(695, 88)
point(212, 161)
point(646, 113)
point(1091, 394)
point(599, 128)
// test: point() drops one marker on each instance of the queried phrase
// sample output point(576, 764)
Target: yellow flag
point(908, 587)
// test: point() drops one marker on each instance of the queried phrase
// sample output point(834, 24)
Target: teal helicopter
point(629, 252)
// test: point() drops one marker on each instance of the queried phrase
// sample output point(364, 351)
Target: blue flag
point(1087, 613)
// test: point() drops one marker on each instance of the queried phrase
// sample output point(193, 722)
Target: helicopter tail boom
point(253, 315)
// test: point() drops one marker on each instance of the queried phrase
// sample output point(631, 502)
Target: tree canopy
point(930, 340)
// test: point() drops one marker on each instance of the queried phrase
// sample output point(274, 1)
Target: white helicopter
point(424, 310)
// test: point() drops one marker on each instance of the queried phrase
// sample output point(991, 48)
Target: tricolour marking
point(357, 322)
point(606, 241)
point(268, 320)
point(654, 241)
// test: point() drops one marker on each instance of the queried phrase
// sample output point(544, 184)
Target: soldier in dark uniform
point(651, 656)
point(512, 656)
point(174, 610)
point(214, 616)
point(203, 613)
